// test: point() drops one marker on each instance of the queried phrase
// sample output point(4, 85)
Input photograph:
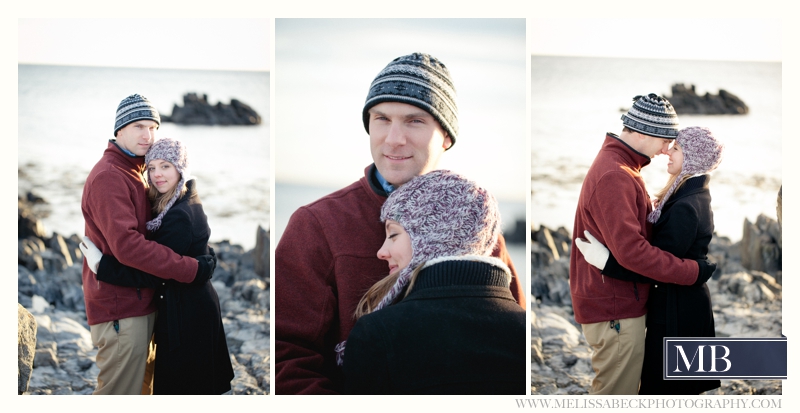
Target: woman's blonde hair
point(663, 192)
point(379, 290)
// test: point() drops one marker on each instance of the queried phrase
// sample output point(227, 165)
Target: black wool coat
point(191, 350)
point(459, 331)
point(684, 229)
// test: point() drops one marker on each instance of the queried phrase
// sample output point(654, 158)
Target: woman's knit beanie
point(174, 152)
point(702, 153)
point(445, 214)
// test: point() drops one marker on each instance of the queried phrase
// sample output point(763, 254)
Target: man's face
point(653, 146)
point(405, 140)
point(137, 136)
point(645, 144)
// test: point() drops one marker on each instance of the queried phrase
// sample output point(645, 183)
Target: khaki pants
point(122, 356)
point(617, 357)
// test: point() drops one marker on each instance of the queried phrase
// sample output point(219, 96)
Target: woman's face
point(396, 249)
point(163, 175)
point(675, 163)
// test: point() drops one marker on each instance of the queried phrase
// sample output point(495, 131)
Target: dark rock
point(226, 251)
point(26, 347)
point(224, 273)
point(59, 246)
point(558, 242)
point(687, 102)
point(34, 199)
point(726, 255)
point(518, 234)
point(28, 222)
point(760, 247)
point(550, 266)
point(46, 357)
point(29, 253)
point(254, 291)
point(261, 253)
point(197, 111)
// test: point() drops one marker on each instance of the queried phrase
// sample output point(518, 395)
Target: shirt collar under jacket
point(125, 151)
point(633, 157)
point(389, 188)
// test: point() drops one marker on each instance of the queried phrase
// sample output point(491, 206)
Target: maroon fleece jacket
point(324, 263)
point(613, 206)
point(115, 208)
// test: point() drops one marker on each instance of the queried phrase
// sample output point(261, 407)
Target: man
point(116, 208)
point(326, 259)
point(613, 207)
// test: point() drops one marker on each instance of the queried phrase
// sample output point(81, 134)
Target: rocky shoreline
point(55, 332)
point(746, 295)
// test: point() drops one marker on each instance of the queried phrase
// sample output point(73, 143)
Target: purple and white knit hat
point(445, 215)
point(702, 153)
point(174, 152)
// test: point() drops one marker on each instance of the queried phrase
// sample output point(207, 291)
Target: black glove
point(205, 267)
point(614, 270)
point(707, 269)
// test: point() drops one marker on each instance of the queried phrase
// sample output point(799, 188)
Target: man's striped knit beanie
point(132, 108)
point(652, 115)
point(421, 80)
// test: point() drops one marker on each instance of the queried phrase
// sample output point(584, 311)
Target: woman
point(191, 351)
point(683, 225)
point(444, 320)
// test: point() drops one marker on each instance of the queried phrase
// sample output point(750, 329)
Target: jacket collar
point(692, 186)
point(374, 184)
point(191, 191)
point(630, 156)
point(463, 270)
point(137, 162)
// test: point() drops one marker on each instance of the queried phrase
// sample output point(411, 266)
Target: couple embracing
point(449, 317)
point(640, 275)
point(152, 311)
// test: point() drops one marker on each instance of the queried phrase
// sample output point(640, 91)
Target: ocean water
point(66, 116)
point(576, 100)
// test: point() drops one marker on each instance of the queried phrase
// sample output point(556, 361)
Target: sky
point(147, 43)
point(76, 41)
point(658, 38)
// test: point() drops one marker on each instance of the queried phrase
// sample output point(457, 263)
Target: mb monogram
point(725, 358)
